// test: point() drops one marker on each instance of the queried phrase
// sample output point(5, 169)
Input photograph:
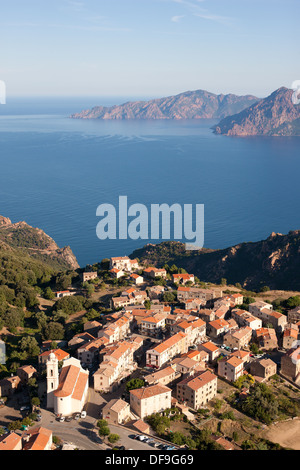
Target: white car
point(83, 414)
point(142, 438)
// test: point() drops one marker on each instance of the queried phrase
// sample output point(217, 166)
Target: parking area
point(15, 409)
point(133, 441)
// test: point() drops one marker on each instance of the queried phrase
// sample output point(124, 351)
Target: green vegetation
point(113, 438)
point(260, 404)
point(103, 428)
point(244, 381)
point(159, 423)
point(134, 383)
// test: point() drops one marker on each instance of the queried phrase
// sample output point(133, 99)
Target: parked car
point(142, 438)
point(25, 408)
point(77, 416)
point(83, 414)
point(69, 418)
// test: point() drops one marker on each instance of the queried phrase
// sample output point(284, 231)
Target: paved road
point(80, 433)
point(126, 441)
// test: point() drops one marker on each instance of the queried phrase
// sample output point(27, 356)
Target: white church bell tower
point(52, 379)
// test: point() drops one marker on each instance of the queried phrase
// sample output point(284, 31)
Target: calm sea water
point(55, 171)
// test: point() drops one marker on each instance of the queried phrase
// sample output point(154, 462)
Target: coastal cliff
point(273, 262)
point(35, 243)
point(275, 115)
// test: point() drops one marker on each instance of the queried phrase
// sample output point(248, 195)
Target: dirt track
point(286, 434)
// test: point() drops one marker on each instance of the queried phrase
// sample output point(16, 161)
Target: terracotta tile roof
point(135, 276)
point(225, 443)
point(240, 354)
point(184, 324)
point(169, 342)
point(28, 369)
point(199, 380)
point(192, 354)
point(59, 353)
point(148, 392)
point(10, 441)
point(67, 381)
point(183, 276)
point(241, 332)
point(234, 361)
point(267, 362)
point(72, 381)
point(198, 323)
point(141, 426)
point(160, 374)
point(218, 324)
point(117, 405)
point(152, 320)
point(80, 386)
point(38, 438)
point(210, 346)
point(140, 313)
point(185, 362)
point(291, 332)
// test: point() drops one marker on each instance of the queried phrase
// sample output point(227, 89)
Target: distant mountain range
point(273, 262)
point(197, 104)
point(240, 115)
point(275, 115)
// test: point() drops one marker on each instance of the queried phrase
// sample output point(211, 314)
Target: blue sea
point(55, 172)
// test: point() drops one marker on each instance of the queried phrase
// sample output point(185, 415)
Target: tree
point(254, 348)
point(169, 297)
point(158, 423)
point(113, 438)
point(265, 289)
point(41, 320)
point(260, 403)
point(105, 264)
point(54, 331)
point(134, 383)
point(14, 425)
point(13, 318)
point(71, 304)
point(29, 345)
point(60, 316)
point(35, 401)
point(48, 294)
point(103, 428)
point(293, 302)
point(63, 281)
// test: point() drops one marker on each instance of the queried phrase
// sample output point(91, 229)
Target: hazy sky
point(148, 47)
